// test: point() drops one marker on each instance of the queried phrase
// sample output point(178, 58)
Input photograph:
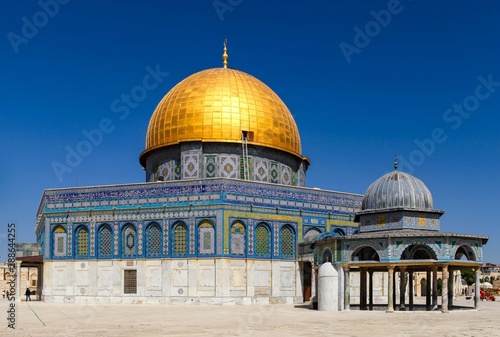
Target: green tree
point(469, 275)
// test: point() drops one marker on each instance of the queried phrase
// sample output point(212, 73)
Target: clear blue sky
point(360, 90)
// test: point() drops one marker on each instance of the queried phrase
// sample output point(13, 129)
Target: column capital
point(390, 267)
point(403, 268)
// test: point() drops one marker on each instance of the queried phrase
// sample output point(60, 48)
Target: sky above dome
point(364, 81)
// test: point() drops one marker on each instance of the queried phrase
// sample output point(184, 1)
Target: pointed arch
point(287, 242)
point(153, 240)
point(365, 253)
point(60, 239)
point(81, 241)
point(179, 239)
point(464, 251)
point(339, 231)
point(238, 239)
point(326, 255)
point(105, 244)
point(129, 240)
point(206, 238)
point(262, 240)
point(418, 251)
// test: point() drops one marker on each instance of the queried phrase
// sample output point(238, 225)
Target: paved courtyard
point(45, 319)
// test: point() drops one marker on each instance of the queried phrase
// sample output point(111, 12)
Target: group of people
point(27, 293)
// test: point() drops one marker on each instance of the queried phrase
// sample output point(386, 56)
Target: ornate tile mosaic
point(191, 166)
point(229, 167)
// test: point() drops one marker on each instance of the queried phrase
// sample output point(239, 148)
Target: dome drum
point(197, 160)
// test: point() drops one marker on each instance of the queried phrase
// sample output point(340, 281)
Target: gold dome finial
point(224, 56)
point(395, 162)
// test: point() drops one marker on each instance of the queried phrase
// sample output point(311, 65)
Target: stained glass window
point(238, 239)
point(262, 242)
point(180, 239)
point(206, 234)
point(287, 242)
point(153, 246)
point(82, 241)
point(129, 241)
point(60, 241)
point(105, 241)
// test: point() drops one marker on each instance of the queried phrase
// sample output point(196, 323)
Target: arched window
point(129, 240)
point(262, 241)
point(59, 241)
point(105, 241)
point(206, 238)
point(326, 256)
point(179, 242)
point(287, 243)
point(153, 240)
point(82, 242)
point(238, 239)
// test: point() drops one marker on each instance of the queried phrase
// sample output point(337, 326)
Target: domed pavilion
point(399, 235)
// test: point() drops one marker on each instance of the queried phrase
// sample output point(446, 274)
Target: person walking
point(28, 294)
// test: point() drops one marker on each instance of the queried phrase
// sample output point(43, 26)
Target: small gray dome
point(397, 189)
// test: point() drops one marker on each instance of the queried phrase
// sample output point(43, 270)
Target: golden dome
point(216, 105)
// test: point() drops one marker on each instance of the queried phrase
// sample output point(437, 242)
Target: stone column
point(428, 290)
point(18, 281)
point(347, 288)
point(370, 289)
point(444, 290)
point(394, 290)
point(390, 284)
point(477, 290)
point(402, 288)
point(451, 289)
point(362, 289)
point(411, 295)
point(327, 288)
point(314, 288)
point(434, 288)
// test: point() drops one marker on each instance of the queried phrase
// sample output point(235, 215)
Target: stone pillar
point(434, 288)
point(18, 281)
point(327, 288)
point(428, 290)
point(370, 289)
point(347, 288)
point(362, 289)
point(390, 284)
point(314, 288)
point(411, 294)
point(444, 290)
point(477, 290)
point(451, 289)
point(402, 288)
point(394, 290)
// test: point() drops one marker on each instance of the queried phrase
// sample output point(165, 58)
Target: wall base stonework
point(217, 281)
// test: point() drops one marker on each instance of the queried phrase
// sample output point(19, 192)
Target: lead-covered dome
point(217, 105)
point(397, 190)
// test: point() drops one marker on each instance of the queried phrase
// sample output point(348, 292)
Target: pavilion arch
point(339, 231)
point(206, 237)
point(365, 253)
point(326, 255)
point(418, 251)
point(464, 251)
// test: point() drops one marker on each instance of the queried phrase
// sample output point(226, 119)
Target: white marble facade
point(171, 281)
